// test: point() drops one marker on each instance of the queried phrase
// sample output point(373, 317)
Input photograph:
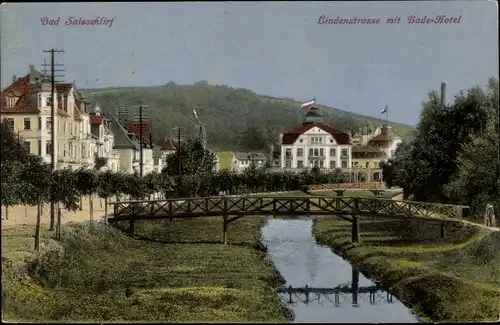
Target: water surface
point(293, 249)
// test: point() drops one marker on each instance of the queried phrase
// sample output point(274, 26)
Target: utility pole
point(141, 142)
point(53, 120)
point(179, 150)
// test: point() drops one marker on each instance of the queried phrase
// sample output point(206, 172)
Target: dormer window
point(11, 100)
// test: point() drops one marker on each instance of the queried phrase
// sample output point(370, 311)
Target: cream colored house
point(26, 103)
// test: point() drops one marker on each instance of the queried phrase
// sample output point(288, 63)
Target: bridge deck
point(289, 206)
point(344, 289)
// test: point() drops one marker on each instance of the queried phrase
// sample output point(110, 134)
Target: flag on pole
point(196, 115)
point(309, 104)
point(384, 110)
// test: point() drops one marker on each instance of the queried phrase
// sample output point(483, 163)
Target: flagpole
point(387, 115)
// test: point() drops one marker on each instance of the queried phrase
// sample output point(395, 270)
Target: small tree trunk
point(37, 229)
point(91, 212)
point(25, 210)
point(81, 203)
point(106, 207)
point(6, 212)
point(100, 202)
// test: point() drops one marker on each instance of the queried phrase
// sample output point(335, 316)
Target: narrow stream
point(293, 249)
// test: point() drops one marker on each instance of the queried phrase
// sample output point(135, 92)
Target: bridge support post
point(355, 236)
point(131, 227)
point(224, 231)
point(355, 285)
point(443, 229)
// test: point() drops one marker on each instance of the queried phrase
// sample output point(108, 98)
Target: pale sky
point(272, 48)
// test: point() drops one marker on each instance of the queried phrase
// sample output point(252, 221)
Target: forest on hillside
point(235, 118)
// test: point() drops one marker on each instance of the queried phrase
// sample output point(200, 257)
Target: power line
point(53, 77)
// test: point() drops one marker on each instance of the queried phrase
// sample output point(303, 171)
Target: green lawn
point(180, 273)
point(456, 278)
point(225, 159)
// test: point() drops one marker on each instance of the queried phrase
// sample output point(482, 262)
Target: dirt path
point(26, 215)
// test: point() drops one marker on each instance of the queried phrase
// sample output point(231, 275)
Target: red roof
point(96, 119)
point(169, 145)
point(64, 88)
point(136, 129)
point(291, 136)
point(25, 104)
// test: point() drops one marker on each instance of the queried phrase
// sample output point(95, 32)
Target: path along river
point(293, 249)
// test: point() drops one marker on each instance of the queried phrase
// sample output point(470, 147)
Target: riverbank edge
point(287, 311)
point(47, 243)
point(379, 273)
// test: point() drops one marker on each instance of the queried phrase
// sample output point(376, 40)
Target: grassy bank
point(456, 278)
point(182, 274)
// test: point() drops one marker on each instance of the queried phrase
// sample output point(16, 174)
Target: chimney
point(14, 78)
point(31, 68)
point(443, 93)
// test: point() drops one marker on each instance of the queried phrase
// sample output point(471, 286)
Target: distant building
point(243, 160)
point(315, 144)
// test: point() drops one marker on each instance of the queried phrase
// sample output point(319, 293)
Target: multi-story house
point(103, 141)
point(243, 160)
point(27, 104)
point(315, 144)
point(160, 154)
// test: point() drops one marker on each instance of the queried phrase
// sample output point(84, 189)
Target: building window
point(321, 164)
point(39, 147)
point(28, 146)
point(311, 152)
point(288, 164)
point(27, 123)
point(39, 123)
point(300, 152)
point(344, 163)
point(333, 164)
point(49, 100)
point(344, 153)
point(48, 148)
point(48, 125)
point(156, 161)
point(10, 122)
point(288, 152)
point(333, 152)
point(367, 165)
point(300, 164)
point(321, 152)
point(316, 152)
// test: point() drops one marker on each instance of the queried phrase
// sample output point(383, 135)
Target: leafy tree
point(194, 159)
point(429, 161)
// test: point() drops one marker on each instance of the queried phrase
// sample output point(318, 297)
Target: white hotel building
point(315, 144)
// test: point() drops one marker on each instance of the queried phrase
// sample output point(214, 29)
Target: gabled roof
point(122, 140)
point(96, 119)
point(365, 149)
point(169, 145)
point(291, 136)
point(135, 128)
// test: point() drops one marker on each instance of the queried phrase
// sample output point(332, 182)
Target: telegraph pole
point(53, 120)
point(179, 150)
point(141, 142)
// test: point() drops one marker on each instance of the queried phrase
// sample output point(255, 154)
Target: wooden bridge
point(233, 208)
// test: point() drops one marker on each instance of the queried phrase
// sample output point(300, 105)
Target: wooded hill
point(235, 118)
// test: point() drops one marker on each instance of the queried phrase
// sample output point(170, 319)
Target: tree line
point(453, 156)
point(28, 180)
point(235, 119)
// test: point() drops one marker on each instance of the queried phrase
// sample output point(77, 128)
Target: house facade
point(27, 105)
point(243, 160)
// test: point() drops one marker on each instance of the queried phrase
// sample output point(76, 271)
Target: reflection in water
point(321, 286)
point(372, 294)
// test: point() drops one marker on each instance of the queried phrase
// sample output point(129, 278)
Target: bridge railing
point(245, 205)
